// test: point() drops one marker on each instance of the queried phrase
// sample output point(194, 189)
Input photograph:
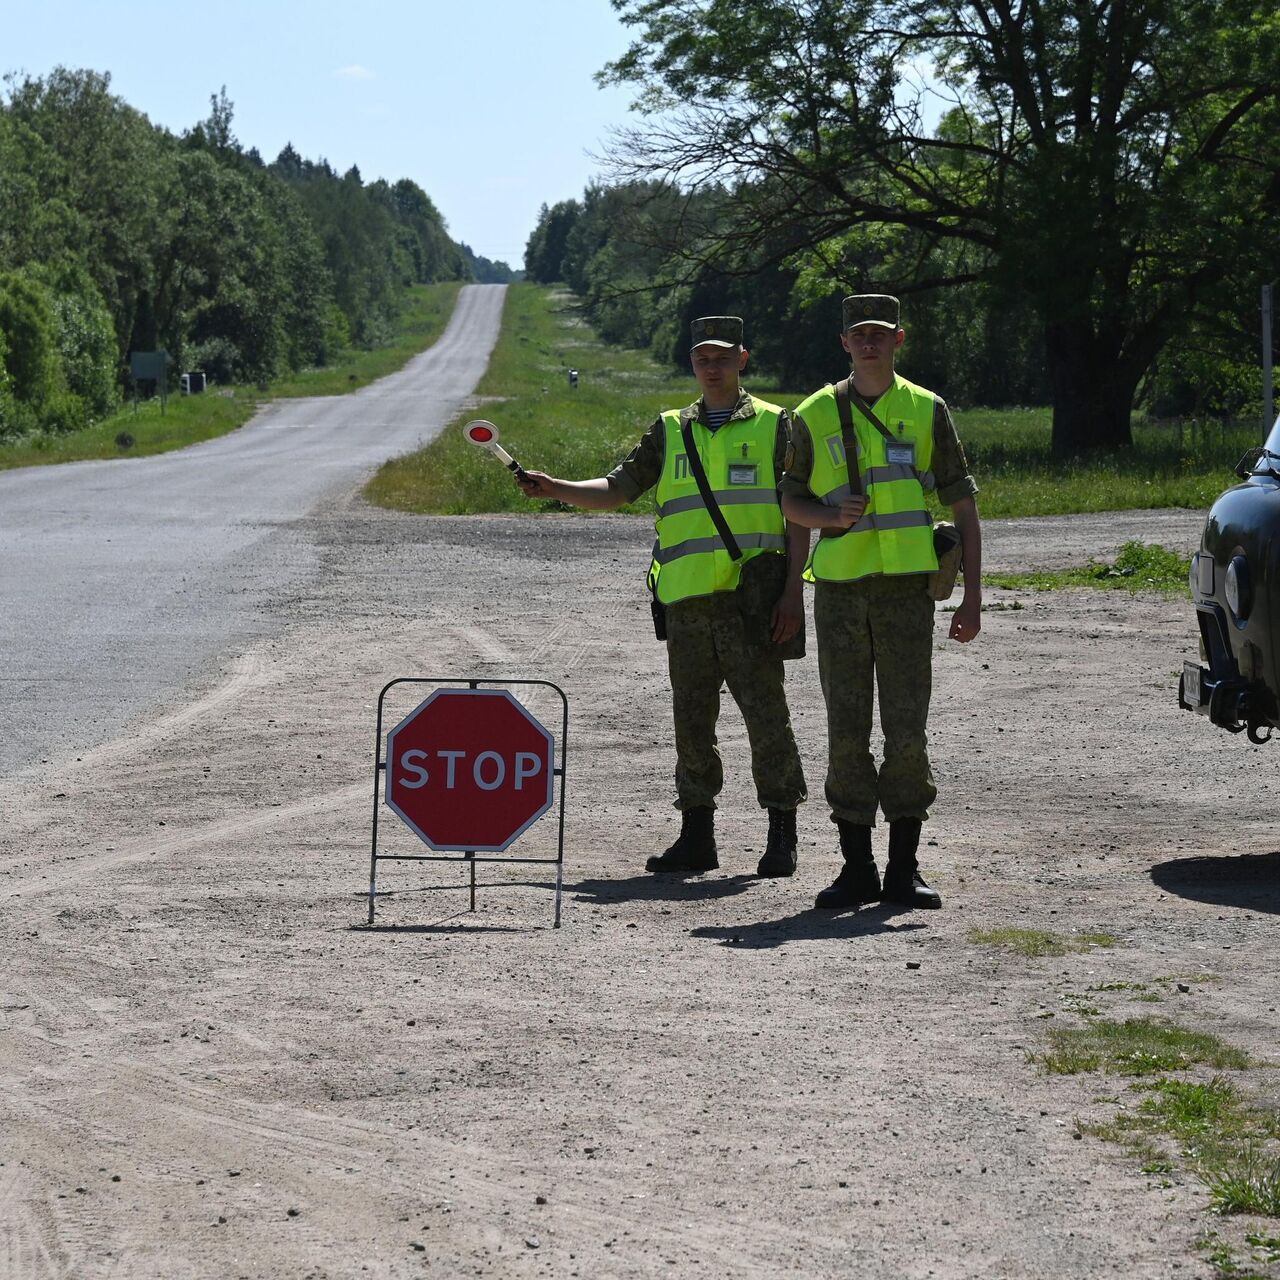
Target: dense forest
point(1077, 203)
point(118, 236)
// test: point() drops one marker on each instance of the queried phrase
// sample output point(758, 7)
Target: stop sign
point(470, 769)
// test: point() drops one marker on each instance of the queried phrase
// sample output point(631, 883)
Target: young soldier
point(728, 620)
point(873, 613)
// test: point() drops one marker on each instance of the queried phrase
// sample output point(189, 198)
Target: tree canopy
point(1105, 170)
point(117, 235)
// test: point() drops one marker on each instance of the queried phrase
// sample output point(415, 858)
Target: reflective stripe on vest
point(689, 557)
point(895, 535)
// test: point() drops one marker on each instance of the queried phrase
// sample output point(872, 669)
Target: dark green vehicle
point(1235, 582)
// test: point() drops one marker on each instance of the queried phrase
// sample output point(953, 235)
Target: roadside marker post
point(468, 771)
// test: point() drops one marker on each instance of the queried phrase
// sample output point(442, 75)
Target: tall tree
point(1110, 163)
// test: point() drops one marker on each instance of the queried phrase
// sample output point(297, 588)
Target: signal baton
point(485, 435)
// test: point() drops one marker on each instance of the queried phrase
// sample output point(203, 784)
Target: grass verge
point(584, 433)
point(1040, 942)
point(545, 424)
point(1138, 566)
point(188, 420)
point(1171, 464)
point(1134, 1047)
point(1180, 1118)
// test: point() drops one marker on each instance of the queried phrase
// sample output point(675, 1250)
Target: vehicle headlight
point(1239, 589)
point(1202, 576)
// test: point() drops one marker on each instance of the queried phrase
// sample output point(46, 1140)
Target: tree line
point(1085, 221)
point(117, 235)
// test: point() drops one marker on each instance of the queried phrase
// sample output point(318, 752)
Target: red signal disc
point(481, 435)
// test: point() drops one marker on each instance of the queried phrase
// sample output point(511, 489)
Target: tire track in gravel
point(331, 1163)
point(283, 1131)
point(140, 848)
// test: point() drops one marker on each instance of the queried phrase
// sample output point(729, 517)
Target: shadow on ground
point(1249, 880)
point(813, 926)
point(663, 888)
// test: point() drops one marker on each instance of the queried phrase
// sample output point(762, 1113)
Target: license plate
point(1191, 684)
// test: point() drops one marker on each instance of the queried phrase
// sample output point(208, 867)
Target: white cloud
point(354, 72)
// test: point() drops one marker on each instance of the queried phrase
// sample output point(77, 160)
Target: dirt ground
point(212, 1068)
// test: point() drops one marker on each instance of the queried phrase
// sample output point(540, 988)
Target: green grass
point(1173, 464)
point(582, 434)
point(1244, 1180)
point(1229, 1143)
point(1221, 1255)
point(426, 313)
point(546, 426)
point(1138, 566)
point(188, 420)
point(1040, 942)
point(1134, 1047)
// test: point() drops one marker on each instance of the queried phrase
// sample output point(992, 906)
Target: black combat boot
point(780, 849)
point(903, 883)
point(858, 881)
point(694, 850)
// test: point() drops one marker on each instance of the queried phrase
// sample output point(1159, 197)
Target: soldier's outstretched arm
point(592, 495)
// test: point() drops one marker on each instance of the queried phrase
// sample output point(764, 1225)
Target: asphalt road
point(123, 581)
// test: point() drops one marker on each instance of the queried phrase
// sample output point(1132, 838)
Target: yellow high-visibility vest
point(895, 533)
point(689, 556)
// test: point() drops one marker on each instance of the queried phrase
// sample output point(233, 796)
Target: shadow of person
point(661, 888)
point(813, 926)
point(1249, 880)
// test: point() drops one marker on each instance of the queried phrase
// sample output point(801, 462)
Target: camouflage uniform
point(882, 624)
point(720, 639)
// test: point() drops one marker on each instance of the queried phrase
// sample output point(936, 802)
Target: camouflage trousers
point(877, 629)
point(710, 645)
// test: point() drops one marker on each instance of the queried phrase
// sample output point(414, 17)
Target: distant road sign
point(470, 769)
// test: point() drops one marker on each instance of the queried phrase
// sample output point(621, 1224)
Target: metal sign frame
point(380, 768)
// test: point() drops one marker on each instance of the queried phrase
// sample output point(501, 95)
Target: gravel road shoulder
point(212, 1068)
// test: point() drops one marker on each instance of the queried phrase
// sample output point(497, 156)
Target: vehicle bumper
point(1219, 691)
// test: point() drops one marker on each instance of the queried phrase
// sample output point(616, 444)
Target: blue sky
point(490, 107)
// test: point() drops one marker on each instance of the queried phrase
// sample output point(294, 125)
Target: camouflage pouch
point(946, 546)
point(762, 581)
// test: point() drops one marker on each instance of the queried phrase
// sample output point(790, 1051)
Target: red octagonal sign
point(470, 769)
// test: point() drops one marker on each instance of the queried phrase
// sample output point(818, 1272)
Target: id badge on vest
point(743, 472)
point(900, 453)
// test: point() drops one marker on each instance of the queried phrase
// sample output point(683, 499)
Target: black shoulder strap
point(865, 409)
point(708, 498)
point(848, 436)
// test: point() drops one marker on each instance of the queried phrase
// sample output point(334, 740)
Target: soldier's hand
point(966, 622)
point(788, 614)
point(850, 511)
point(536, 484)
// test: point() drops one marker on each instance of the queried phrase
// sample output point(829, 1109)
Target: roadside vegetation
point(1179, 1101)
point(1138, 566)
point(1187, 1104)
point(1020, 223)
point(544, 423)
point(580, 433)
point(188, 420)
point(1040, 942)
point(119, 238)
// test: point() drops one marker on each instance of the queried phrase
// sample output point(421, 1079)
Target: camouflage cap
point(869, 308)
point(716, 331)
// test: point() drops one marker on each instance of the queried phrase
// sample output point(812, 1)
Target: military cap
point(716, 331)
point(869, 308)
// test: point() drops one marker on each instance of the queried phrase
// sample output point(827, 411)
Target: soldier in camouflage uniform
point(873, 611)
point(728, 622)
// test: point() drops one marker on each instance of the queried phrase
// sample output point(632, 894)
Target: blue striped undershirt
point(716, 418)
